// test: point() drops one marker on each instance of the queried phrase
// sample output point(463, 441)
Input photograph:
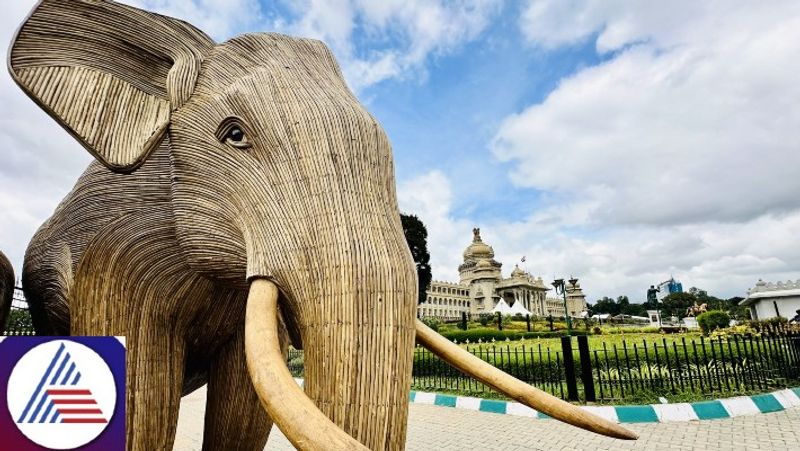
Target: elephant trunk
point(358, 361)
point(296, 415)
point(355, 317)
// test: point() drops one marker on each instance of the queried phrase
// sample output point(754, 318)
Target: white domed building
point(770, 300)
point(482, 286)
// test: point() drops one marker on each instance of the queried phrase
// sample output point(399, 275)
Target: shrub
point(776, 321)
point(597, 330)
point(629, 329)
point(487, 335)
point(713, 320)
point(739, 329)
point(765, 324)
point(19, 321)
point(296, 362)
point(433, 323)
point(484, 319)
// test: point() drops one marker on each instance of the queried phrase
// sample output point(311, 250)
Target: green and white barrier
point(652, 413)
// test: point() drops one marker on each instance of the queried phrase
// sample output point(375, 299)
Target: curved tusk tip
point(625, 434)
point(631, 436)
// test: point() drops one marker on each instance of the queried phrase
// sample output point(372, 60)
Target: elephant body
point(58, 246)
point(216, 165)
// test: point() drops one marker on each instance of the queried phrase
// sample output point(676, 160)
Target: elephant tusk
point(515, 388)
point(295, 414)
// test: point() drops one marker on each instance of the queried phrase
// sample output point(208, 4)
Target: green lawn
point(632, 365)
point(610, 336)
point(595, 341)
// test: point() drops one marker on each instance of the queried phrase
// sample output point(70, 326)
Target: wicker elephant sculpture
point(241, 198)
point(6, 289)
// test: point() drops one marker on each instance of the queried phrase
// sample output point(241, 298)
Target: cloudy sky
point(620, 142)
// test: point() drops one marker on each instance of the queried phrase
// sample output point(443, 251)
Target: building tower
point(481, 272)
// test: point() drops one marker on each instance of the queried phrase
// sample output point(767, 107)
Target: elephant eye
point(235, 135)
point(232, 133)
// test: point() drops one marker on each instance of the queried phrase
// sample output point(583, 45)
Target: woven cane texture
point(6, 289)
point(108, 73)
point(327, 229)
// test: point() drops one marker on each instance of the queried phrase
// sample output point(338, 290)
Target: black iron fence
point(624, 370)
point(737, 363)
point(614, 371)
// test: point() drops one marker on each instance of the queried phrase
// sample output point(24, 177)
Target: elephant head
point(282, 184)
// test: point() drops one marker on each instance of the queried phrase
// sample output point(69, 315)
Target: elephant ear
point(108, 73)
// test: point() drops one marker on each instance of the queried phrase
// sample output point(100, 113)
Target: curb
point(650, 413)
point(716, 409)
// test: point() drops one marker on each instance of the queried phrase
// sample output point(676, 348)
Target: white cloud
point(681, 150)
point(724, 258)
point(551, 24)
point(220, 19)
point(404, 33)
point(686, 134)
point(417, 29)
point(676, 156)
point(429, 196)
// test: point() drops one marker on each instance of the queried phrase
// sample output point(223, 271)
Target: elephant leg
point(154, 373)
point(234, 419)
point(132, 281)
point(155, 383)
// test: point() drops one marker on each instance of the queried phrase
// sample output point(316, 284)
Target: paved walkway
point(443, 428)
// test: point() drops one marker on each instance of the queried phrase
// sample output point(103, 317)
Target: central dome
point(478, 250)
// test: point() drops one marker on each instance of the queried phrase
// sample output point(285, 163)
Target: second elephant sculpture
point(241, 197)
point(6, 289)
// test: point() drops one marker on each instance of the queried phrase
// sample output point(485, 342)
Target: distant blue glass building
point(668, 287)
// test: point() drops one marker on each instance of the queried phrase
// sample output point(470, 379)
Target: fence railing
point(706, 365)
point(606, 372)
point(734, 364)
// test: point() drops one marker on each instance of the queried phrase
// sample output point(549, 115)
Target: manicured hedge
point(485, 335)
point(713, 319)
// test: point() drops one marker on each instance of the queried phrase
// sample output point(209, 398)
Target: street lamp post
point(561, 288)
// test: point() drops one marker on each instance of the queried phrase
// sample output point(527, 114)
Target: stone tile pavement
point(442, 428)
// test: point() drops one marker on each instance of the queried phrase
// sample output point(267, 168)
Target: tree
point(19, 320)
point(605, 305)
point(634, 310)
point(712, 320)
point(712, 303)
point(417, 239)
point(737, 311)
point(676, 304)
point(612, 307)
